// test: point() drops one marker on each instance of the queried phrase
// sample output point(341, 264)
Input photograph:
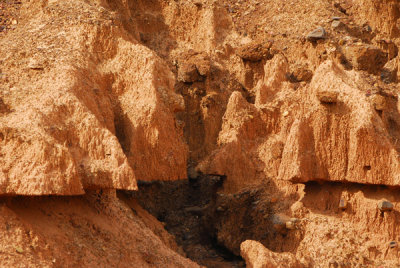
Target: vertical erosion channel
point(185, 208)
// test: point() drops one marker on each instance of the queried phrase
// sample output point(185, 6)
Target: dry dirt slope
point(103, 95)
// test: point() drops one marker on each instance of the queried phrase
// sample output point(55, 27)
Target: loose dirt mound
point(92, 230)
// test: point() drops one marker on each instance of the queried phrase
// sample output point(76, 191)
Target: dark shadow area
point(183, 208)
point(209, 225)
point(250, 214)
point(121, 128)
point(205, 105)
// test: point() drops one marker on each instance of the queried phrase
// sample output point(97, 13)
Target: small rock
point(385, 205)
point(337, 24)
point(192, 173)
point(336, 18)
point(317, 34)
point(279, 222)
point(379, 102)
point(285, 113)
point(187, 72)
point(255, 51)
point(367, 28)
point(193, 67)
point(291, 224)
point(301, 73)
point(195, 210)
point(393, 244)
point(19, 250)
point(14, 22)
point(342, 204)
point(389, 72)
point(35, 65)
point(388, 76)
point(327, 96)
point(220, 209)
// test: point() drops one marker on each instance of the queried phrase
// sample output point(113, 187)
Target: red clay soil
point(92, 230)
point(111, 108)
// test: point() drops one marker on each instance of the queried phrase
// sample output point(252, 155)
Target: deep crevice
point(184, 207)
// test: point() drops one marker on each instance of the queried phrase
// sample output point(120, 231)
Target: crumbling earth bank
point(293, 104)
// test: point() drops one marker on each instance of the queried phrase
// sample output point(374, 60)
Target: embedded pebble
point(316, 34)
point(385, 205)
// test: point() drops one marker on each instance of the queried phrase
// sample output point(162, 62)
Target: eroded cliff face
point(85, 107)
point(301, 129)
point(90, 109)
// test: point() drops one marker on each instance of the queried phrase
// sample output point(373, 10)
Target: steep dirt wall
point(345, 139)
point(342, 141)
point(382, 15)
point(111, 94)
point(83, 125)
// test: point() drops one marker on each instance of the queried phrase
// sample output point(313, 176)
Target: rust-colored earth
point(150, 133)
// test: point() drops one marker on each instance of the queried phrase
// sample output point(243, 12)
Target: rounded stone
point(316, 34)
point(385, 205)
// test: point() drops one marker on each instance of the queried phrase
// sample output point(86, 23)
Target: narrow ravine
point(183, 206)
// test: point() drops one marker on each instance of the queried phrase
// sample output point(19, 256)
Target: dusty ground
point(240, 134)
point(86, 230)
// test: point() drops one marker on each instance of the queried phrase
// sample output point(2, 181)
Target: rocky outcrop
point(383, 15)
point(276, 73)
point(54, 144)
point(344, 141)
point(365, 57)
point(255, 51)
point(193, 67)
point(258, 256)
point(335, 134)
point(145, 106)
point(99, 117)
point(241, 127)
point(300, 138)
